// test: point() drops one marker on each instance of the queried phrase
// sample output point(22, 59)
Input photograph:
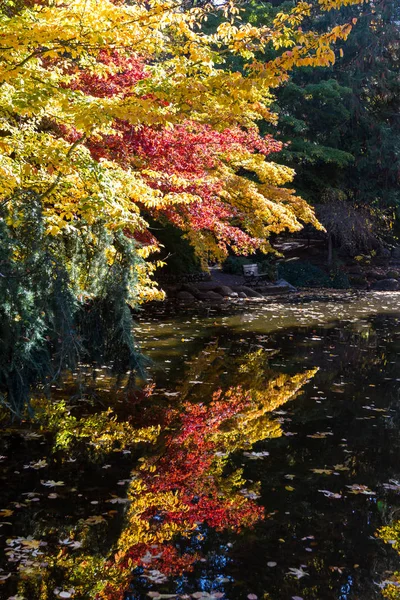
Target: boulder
point(250, 293)
point(213, 296)
point(226, 291)
point(384, 253)
point(192, 289)
point(374, 274)
point(386, 285)
point(206, 286)
point(185, 296)
point(396, 253)
point(285, 284)
point(170, 290)
point(209, 296)
point(202, 296)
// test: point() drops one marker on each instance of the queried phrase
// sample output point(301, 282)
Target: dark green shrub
point(234, 264)
point(339, 279)
point(305, 274)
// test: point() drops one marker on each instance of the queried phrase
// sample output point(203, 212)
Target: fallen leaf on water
point(95, 520)
point(360, 489)
point(329, 494)
point(289, 488)
point(271, 564)
point(392, 485)
point(337, 569)
point(298, 573)
point(255, 455)
point(252, 597)
point(322, 471)
point(40, 464)
point(52, 483)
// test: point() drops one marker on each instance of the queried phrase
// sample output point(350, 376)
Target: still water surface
point(279, 428)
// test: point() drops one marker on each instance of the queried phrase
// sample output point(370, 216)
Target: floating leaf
point(40, 464)
point(52, 483)
point(360, 489)
point(329, 494)
point(298, 573)
point(95, 520)
point(255, 455)
point(392, 485)
point(322, 471)
point(320, 435)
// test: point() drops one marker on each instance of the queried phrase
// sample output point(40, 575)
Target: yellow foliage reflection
point(189, 485)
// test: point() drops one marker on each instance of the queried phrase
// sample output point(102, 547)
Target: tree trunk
point(330, 249)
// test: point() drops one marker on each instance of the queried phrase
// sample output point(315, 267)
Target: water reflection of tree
point(192, 483)
point(189, 483)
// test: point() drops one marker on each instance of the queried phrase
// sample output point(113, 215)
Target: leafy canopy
point(82, 71)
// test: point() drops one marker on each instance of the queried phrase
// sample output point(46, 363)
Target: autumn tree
point(111, 111)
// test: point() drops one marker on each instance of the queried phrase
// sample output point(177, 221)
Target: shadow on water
point(278, 428)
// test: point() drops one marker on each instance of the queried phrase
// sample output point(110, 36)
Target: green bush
point(305, 274)
point(339, 279)
point(234, 264)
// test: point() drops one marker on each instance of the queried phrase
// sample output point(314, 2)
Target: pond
point(264, 456)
